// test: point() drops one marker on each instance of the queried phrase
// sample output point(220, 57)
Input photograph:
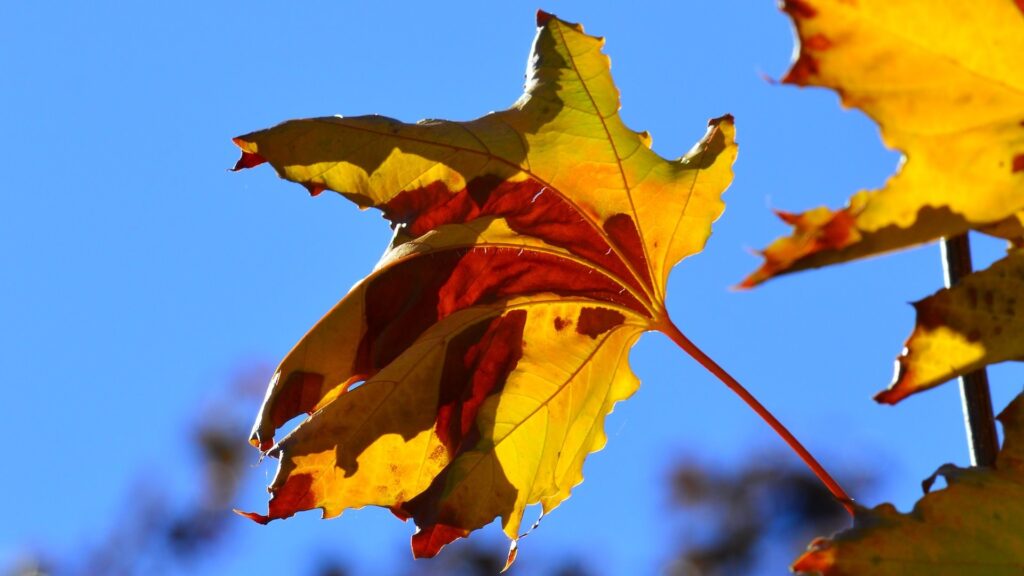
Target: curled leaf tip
point(261, 445)
point(725, 118)
point(247, 160)
point(513, 551)
point(249, 156)
point(428, 541)
point(819, 557)
point(890, 396)
point(258, 518)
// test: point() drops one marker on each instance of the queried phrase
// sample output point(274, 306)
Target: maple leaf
point(469, 375)
point(973, 526)
point(963, 328)
point(945, 81)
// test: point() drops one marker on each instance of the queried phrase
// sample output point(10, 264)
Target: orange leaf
point(945, 81)
point(469, 375)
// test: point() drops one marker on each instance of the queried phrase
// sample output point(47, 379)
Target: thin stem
point(974, 392)
point(710, 365)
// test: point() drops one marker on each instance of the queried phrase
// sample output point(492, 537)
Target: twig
point(974, 392)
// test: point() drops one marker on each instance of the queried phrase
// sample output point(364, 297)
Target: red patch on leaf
point(802, 70)
point(543, 17)
point(838, 232)
point(477, 364)
point(426, 208)
point(929, 316)
point(834, 234)
point(409, 297)
point(799, 8)
point(484, 276)
point(560, 323)
point(429, 540)
point(817, 42)
point(596, 321)
point(296, 495)
point(248, 160)
point(528, 207)
point(623, 232)
point(399, 512)
point(314, 188)
point(1018, 160)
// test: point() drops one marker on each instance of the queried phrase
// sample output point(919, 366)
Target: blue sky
point(139, 274)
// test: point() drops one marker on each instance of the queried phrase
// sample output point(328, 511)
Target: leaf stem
point(673, 332)
point(974, 392)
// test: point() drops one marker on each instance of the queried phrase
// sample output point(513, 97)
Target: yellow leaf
point(964, 328)
point(469, 375)
point(974, 526)
point(945, 81)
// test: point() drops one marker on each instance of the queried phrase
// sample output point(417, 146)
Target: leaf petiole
point(672, 331)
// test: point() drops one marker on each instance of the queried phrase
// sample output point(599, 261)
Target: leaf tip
point(249, 156)
point(790, 218)
point(314, 188)
point(724, 119)
point(257, 441)
point(724, 129)
point(746, 284)
point(768, 78)
point(427, 542)
point(756, 278)
point(248, 160)
point(258, 518)
point(543, 17)
point(891, 395)
point(513, 551)
point(820, 556)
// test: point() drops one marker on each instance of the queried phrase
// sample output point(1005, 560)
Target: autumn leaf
point(469, 375)
point(945, 81)
point(973, 526)
point(963, 328)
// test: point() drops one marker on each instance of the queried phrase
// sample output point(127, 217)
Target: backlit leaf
point(469, 375)
point(945, 81)
point(964, 328)
point(973, 526)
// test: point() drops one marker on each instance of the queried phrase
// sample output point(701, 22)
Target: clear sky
point(139, 275)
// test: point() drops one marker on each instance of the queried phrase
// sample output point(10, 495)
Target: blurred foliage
point(736, 518)
point(159, 533)
point(156, 532)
